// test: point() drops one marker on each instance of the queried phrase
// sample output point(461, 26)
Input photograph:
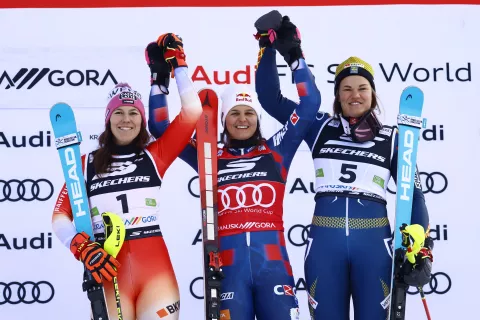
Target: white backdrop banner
point(78, 55)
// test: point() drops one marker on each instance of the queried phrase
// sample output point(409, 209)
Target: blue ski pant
point(348, 255)
point(258, 277)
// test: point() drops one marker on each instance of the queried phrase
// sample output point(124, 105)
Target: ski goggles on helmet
point(366, 128)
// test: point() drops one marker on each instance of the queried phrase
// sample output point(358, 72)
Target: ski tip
point(411, 91)
point(60, 111)
point(208, 97)
point(60, 105)
point(411, 94)
point(411, 102)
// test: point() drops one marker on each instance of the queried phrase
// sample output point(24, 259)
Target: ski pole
point(424, 300)
point(113, 244)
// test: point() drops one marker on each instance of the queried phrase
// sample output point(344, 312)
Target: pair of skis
point(67, 141)
point(409, 122)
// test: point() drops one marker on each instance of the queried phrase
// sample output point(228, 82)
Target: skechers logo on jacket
point(242, 175)
point(113, 182)
point(353, 153)
point(241, 165)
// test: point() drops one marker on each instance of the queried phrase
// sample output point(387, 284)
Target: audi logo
point(435, 182)
point(298, 235)
point(440, 283)
point(240, 201)
point(27, 190)
point(27, 292)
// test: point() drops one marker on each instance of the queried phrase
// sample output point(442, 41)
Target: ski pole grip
point(114, 233)
point(417, 232)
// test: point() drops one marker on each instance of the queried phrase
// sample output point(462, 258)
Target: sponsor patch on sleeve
point(294, 117)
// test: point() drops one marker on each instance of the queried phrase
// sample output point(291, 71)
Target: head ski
point(409, 123)
point(67, 142)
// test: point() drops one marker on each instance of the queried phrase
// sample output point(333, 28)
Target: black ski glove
point(419, 273)
point(159, 68)
point(281, 34)
point(265, 26)
point(288, 41)
point(172, 48)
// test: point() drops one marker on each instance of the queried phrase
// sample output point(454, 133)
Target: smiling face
point(241, 122)
point(125, 124)
point(355, 95)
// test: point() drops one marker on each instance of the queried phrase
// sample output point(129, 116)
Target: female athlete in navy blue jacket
point(349, 250)
point(252, 172)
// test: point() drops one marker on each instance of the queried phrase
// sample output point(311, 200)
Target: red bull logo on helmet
point(245, 97)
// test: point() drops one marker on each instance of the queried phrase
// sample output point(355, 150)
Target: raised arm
point(267, 85)
point(158, 116)
point(161, 56)
point(287, 140)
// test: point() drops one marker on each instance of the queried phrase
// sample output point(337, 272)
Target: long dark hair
point(103, 156)
point(337, 107)
point(256, 139)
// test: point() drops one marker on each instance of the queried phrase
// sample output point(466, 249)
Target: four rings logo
point(298, 235)
point(56, 78)
point(435, 182)
point(27, 292)
point(27, 190)
point(263, 195)
point(440, 283)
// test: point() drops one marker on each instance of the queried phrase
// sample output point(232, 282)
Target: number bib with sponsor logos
point(130, 189)
point(342, 165)
point(250, 192)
